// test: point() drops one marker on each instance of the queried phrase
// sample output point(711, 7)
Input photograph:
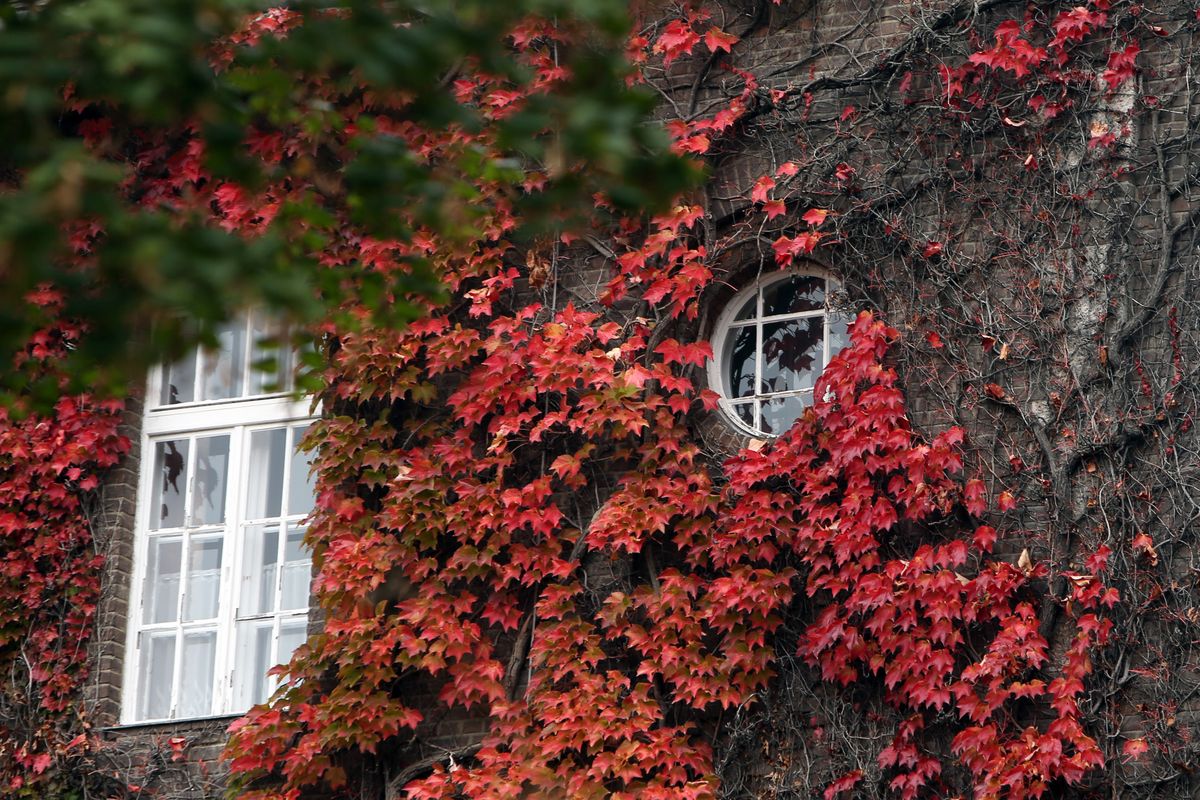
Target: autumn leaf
point(815, 216)
point(995, 391)
point(762, 189)
point(718, 40)
point(1134, 749)
point(677, 40)
point(774, 208)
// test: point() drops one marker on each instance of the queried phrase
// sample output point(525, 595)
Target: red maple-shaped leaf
point(815, 216)
point(1134, 749)
point(718, 40)
point(677, 40)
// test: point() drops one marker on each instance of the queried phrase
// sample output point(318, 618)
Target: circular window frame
point(724, 324)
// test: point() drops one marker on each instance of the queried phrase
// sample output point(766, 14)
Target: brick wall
point(941, 187)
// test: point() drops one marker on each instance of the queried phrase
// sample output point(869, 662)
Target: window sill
point(151, 725)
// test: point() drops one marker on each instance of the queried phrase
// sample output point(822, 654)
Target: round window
point(769, 346)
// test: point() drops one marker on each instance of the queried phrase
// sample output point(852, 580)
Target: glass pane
point(204, 579)
point(794, 295)
point(780, 413)
point(292, 634)
point(270, 356)
point(745, 412)
point(211, 478)
point(160, 593)
point(839, 338)
point(297, 572)
point(264, 474)
point(259, 567)
point(301, 485)
point(196, 675)
point(170, 483)
point(253, 661)
point(154, 677)
point(749, 308)
point(222, 370)
point(739, 360)
point(179, 381)
point(793, 352)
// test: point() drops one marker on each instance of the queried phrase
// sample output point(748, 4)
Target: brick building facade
point(1043, 245)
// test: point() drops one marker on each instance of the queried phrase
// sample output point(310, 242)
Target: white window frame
point(238, 417)
point(718, 378)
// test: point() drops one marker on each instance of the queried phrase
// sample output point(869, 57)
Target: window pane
point(160, 593)
point(259, 567)
point(196, 676)
point(794, 295)
point(793, 352)
point(154, 678)
point(170, 483)
point(179, 381)
point(749, 309)
point(204, 579)
point(745, 412)
point(780, 413)
point(297, 572)
point(292, 634)
point(301, 485)
point(268, 343)
point(264, 479)
point(211, 477)
point(253, 661)
point(222, 370)
point(739, 358)
point(839, 338)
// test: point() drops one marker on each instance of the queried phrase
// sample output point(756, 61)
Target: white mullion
point(791, 315)
point(247, 352)
point(758, 361)
point(827, 330)
point(154, 386)
point(198, 393)
point(289, 448)
point(785, 393)
point(157, 627)
point(281, 554)
point(188, 476)
point(226, 639)
point(185, 548)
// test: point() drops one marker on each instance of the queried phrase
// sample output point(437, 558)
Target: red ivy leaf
point(843, 784)
point(677, 39)
point(774, 208)
point(1134, 749)
point(762, 189)
point(718, 40)
point(815, 216)
point(1121, 66)
point(985, 538)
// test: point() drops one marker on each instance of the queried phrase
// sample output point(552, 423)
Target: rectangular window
point(222, 577)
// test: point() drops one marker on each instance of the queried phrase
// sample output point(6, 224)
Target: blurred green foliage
point(158, 280)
